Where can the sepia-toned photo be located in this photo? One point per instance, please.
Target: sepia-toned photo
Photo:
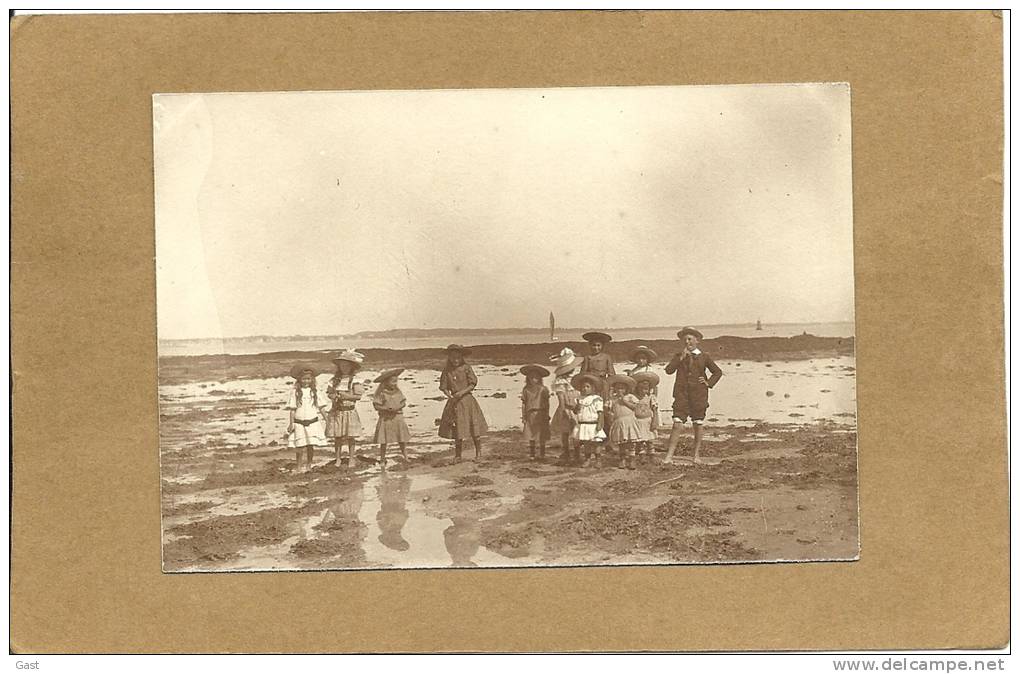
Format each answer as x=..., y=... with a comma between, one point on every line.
x=505, y=327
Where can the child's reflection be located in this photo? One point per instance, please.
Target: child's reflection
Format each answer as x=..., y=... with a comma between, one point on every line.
x=462, y=541
x=392, y=515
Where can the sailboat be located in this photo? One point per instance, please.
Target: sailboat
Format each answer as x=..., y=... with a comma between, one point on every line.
x=758, y=327
x=552, y=327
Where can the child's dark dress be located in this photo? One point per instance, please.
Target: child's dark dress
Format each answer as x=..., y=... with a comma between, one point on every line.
x=600, y=365
x=535, y=413
x=461, y=419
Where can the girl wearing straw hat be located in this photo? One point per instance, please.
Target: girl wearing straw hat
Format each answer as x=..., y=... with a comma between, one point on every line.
x=642, y=358
x=564, y=420
x=343, y=424
x=646, y=412
x=598, y=362
x=625, y=431
x=304, y=430
x=462, y=417
x=535, y=409
x=389, y=402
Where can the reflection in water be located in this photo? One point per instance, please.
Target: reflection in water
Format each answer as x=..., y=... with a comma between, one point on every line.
x=348, y=507
x=462, y=541
x=392, y=515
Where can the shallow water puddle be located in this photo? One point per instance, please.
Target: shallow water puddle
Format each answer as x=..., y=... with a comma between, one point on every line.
x=399, y=533
x=397, y=530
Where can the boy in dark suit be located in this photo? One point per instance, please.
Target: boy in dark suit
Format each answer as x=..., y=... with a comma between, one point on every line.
x=690, y=392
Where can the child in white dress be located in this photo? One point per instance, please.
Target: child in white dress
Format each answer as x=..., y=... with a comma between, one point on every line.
x=590, y=418
x=304, y=430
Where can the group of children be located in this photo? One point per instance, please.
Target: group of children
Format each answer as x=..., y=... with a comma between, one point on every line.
x=599, y=408
x=314, y=420
x=306, y=430
x=586, y=417
x=596, y=407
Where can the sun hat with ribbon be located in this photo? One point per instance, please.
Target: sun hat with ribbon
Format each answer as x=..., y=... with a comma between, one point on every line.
x=351, y=356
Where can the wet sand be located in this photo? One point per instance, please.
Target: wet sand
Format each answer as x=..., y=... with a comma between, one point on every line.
x=780, y=484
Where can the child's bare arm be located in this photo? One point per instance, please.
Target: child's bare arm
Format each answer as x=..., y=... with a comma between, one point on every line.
x=600, y=423
x=290, y=425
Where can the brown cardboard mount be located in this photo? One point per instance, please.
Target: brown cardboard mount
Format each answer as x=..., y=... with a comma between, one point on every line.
x=927, y=158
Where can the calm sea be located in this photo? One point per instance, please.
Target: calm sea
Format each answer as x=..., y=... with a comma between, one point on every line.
x=244, y=345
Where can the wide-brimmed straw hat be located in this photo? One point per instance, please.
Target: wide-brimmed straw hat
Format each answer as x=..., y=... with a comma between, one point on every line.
x=458, y=348
x=298, y=369
x=536, y=370
x=395, y=372
x=351, y=356
x=650, y=377
x=581, y=378
x=594, y=336
x=622, y=380
x=649, y=354
x=687, y=330
x=564, y=357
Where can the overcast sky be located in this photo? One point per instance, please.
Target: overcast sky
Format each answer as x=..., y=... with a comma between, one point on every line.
x=332, y=213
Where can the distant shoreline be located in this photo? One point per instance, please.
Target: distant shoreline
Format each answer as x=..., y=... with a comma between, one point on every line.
x=182, y=369
x=415, y=333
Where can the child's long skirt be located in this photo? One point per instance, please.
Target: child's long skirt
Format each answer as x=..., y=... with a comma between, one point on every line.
x=343, y=424
x=306, y=435
x=536, y=427
x=391, y=430
x=462, y=420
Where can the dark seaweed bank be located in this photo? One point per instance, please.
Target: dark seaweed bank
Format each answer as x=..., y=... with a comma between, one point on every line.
x=184, y=369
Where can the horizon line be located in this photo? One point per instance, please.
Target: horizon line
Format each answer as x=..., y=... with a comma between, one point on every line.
x=360, y=333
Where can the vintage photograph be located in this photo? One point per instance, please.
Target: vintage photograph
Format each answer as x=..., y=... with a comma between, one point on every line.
x=505, y=327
